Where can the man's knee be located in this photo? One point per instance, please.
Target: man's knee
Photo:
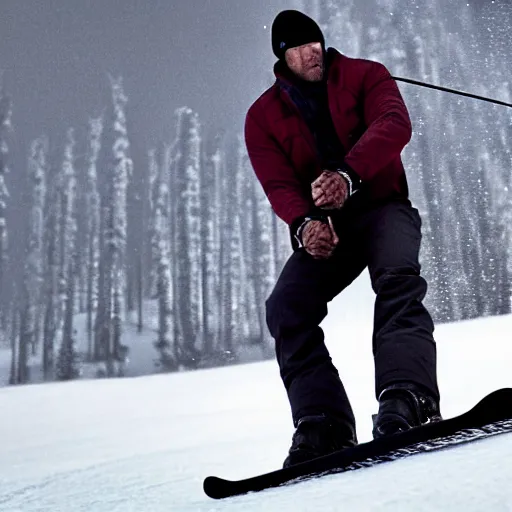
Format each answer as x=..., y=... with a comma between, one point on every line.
x=396, y=278
x=289, y=307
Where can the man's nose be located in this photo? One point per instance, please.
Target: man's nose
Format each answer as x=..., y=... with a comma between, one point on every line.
x=310, y=52
x=313, y=50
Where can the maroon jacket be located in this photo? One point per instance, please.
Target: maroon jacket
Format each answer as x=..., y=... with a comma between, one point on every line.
x=371, y=121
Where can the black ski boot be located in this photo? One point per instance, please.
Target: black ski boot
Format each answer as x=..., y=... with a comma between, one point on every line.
x=319, y=435
x=401, y=407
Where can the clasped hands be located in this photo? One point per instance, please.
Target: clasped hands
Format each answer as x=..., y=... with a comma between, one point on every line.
x=329, y=191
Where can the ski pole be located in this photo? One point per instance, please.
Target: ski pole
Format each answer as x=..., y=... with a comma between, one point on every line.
x=453, y=91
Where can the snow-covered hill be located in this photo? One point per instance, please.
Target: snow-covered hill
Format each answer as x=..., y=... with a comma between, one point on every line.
x=145, y=444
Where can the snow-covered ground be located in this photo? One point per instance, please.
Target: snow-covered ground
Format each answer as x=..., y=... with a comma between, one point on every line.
x=146, y=443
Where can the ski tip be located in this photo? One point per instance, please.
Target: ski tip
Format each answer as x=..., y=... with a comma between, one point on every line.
x=499, y=401
x=214, y=487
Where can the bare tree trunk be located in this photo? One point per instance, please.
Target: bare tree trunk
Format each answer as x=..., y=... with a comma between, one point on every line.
x=116, y=310
x=100, y=347
x=67, y=356
x=49, y=321
x=130, y=294
x=23, y=373
x=90, y=301
x=107, y=338
x=13, y=378
x=48, y=337
x=140, y=292
x=207, y=250
x=5, y=128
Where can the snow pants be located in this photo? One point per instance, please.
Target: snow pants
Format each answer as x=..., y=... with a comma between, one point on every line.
x=386, y=239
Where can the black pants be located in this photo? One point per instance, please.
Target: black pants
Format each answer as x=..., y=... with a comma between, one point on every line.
x=386, y=239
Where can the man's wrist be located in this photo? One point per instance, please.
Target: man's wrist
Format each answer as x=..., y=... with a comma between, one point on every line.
x=351, y=177
x=299, y=224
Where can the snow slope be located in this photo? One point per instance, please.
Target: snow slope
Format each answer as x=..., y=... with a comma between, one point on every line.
x=146, y=443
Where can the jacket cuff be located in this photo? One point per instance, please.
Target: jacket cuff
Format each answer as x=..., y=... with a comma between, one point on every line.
x=298, y=225
x=353, y=179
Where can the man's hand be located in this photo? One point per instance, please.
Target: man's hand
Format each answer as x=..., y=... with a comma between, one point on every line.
x=330, y=190
x=319, y=239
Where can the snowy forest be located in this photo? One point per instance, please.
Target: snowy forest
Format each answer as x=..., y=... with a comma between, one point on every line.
x=186, y=248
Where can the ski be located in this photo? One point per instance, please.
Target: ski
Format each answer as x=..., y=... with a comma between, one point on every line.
x=489, y=417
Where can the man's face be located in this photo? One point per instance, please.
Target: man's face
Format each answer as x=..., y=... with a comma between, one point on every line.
x=306, y=61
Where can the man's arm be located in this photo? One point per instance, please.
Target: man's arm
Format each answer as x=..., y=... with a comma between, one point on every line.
x=275, y=173
x=388, y=124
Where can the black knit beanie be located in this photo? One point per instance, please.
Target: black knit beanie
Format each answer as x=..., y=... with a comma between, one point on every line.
x=292, y=28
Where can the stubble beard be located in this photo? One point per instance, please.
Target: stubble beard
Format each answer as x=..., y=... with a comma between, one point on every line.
x=315, y=73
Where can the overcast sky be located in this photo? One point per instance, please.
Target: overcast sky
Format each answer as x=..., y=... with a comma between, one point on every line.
x=211, y=55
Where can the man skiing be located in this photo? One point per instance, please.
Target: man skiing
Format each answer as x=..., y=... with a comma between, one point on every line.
x=325, y=143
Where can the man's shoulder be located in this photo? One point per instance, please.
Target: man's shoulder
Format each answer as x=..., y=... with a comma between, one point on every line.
x=351, y=73
x=342, y=63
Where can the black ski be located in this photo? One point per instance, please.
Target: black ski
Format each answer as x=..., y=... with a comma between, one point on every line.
x=491, y=416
